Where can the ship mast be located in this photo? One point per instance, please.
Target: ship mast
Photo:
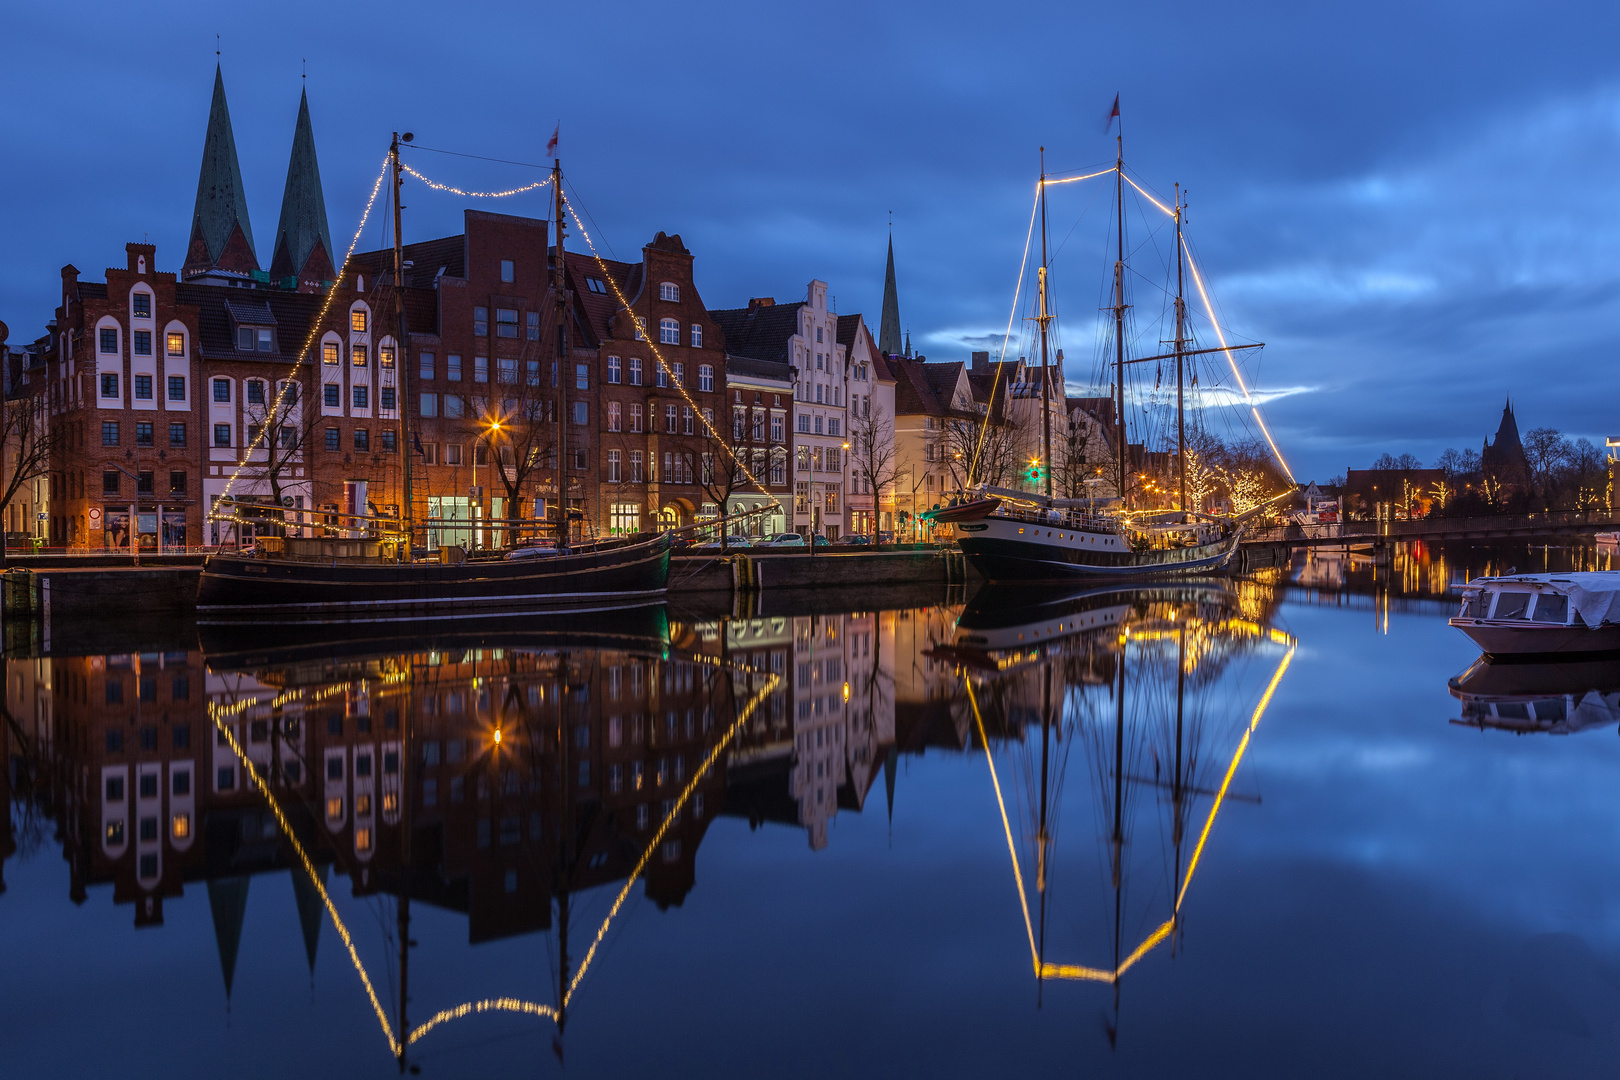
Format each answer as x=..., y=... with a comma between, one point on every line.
x=1181, y=345
x=1043, y=318
x=559, y=288
x=1119, y=306
x=402, y=365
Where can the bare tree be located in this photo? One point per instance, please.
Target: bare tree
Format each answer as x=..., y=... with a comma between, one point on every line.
x=1546, y=450
x=26, y=446
x=719, y=472
x=874, y=460
x=517, y=424
x=979, y=450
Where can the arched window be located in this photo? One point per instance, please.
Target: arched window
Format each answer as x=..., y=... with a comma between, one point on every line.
x=670, y=291
x=669, y=332
x=705, y=377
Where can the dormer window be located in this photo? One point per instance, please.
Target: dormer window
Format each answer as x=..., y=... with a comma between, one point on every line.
x=670, y=291
x=596, y=285
x=357, y=322
x=143, y=305
x=255, y=339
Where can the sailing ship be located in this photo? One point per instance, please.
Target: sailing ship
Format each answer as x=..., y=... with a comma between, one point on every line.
x=1011, y=535
x=363, y=578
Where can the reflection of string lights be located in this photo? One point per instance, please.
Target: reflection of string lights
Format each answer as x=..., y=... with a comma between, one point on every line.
x=1081, y=973
x=220, y=713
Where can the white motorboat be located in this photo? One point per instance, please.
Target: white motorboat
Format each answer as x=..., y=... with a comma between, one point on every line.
x=1543, y=614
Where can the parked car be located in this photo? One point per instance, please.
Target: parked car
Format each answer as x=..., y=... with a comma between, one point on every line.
x=853, y=540
x=782, y=540
x=822, y=541
x=885, y=537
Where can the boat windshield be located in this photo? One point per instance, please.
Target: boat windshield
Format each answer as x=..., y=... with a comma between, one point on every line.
x=1475, y=604
x=1552, y=608
x=1512, y=605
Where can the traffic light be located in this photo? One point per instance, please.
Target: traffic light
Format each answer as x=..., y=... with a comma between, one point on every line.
x=1035, y=472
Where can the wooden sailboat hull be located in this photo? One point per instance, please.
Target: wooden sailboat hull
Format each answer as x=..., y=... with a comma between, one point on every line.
x=238, y=589
x=1005, y=549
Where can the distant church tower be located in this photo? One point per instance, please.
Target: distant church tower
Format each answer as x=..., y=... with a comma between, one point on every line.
x=221, y=243
x=303, y=247
x=889, y=342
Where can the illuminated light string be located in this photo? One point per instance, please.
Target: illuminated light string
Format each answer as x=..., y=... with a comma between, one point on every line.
x=309, y=343
x=1076, y=179
x=219, y=714
x=436, y=186
x=641, y=326
x=1082, y=973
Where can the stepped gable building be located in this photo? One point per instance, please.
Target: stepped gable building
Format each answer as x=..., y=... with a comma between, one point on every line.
x=760, y=393
x=221, y=245
x=871, y=428
x=804, y=335
x=662, y=458
x=1503, y=460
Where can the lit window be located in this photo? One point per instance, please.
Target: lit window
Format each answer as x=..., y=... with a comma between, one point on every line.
x=334, y=807
x=115, y=831
x=385, y=356
x=182, y=826
x=359, y=355
x=177, y=344
x=329, y=352
x=357, y=321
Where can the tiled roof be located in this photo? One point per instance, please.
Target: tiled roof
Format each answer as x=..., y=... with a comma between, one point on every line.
x=597, y=309
x=759, y=332
x=427, y=259
x=759, y=369
x=293, y=313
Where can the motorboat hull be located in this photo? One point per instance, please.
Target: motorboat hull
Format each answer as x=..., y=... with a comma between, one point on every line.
x=244, y=589
x=1520, y=638
x=1013, y=549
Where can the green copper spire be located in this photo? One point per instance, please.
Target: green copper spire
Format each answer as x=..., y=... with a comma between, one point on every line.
x=303, y=248
x=889, y=327
x=221, y=236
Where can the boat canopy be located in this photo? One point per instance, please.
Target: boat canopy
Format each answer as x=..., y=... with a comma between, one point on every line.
x=1594, y=594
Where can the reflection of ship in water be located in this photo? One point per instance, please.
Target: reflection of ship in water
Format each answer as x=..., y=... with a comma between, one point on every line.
x=1156, y=687
x=1551, y=699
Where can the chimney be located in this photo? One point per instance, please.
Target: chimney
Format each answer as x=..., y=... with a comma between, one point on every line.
x=757, y=302
x=981, y=361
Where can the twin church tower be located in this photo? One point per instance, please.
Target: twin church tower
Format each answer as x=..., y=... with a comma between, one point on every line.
x=221, y=249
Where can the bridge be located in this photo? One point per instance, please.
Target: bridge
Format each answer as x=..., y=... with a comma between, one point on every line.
x=1472, y=527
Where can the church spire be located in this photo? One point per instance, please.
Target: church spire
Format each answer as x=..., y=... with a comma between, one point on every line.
x=889, y=326
x=303, y=247
x=227, y=900
x=221, y=237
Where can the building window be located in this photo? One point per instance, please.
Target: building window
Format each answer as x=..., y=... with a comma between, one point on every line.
x=801, y=497
x=109, y=433
x=680, y=374
x=359, y=355
x=452, y=367
x=109, y=340
x=362, y=439
x=596, y=285
x=362, y=397
x=507, y=269
x=109, y=486
x=332, y=396
x=177, y=482
x=333, y=439
x=287, y=435
x=177, y=388
x=143, y=305
x=222, y=434
x=778, y=469
x=670, y=291
x=143, y=388
x=430, y=404
x=386, y=396
x=669, y=419
x=635, y=467
x=143, y=433
x=613, y=466
x=776, y=429
x=534, y=326
x=833, y=425
x=143, y=342
x=635, y=418
x=697, y=336
x=635, y=371
x=613, y=416
x=357, y=321
x=182, y=826
x=109, y=386
x=686, y=419
x=481, y=321
x=255, y=392
x=582, y=377
x=506, y=322
x=706, y=377
x=177, y=434
x=582, y=413
x=329, y=352
x=613, y=370
x=390, y=442
x=481, y=369
x=385, y=355
x=669, y=332
x=452, y=406
x=222, y=390
x=507, y=371
x=227, y=778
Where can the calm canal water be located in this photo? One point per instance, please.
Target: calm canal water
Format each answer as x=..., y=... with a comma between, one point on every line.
x=1237, y=828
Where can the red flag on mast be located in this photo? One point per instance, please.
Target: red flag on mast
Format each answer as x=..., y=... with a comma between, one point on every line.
x=551, y=144
x=1113, y=114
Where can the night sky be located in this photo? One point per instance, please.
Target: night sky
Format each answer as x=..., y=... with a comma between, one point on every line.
x=1408, y=203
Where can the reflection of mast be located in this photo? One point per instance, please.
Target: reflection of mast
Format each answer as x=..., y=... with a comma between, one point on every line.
x=1118, y=844
x=1176, y=792
x=564, y=844
x=407, y=755
x=1041, y=835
